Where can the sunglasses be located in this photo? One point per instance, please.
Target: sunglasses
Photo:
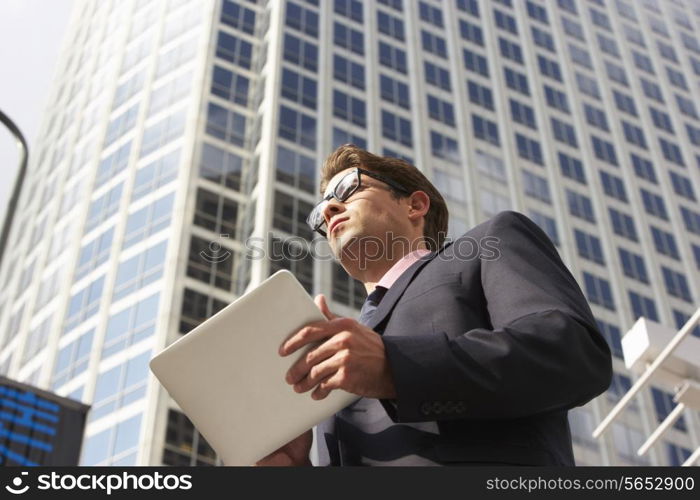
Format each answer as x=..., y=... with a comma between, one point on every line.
x=346, y=187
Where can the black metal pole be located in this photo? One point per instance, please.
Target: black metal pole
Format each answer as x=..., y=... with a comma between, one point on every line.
x=19, y=181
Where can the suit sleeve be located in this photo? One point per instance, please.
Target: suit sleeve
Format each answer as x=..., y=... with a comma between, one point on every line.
x=544, y=352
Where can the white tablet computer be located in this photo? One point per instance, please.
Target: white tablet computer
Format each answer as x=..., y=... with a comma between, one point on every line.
x=228, y=377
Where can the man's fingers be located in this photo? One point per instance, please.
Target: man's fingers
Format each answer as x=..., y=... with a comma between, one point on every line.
x=326, y=386
x=314, y=332
x=301, y=368
x=320, y=301
x=319, y=372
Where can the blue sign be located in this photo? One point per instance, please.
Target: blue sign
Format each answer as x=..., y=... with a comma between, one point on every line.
x=37, y=427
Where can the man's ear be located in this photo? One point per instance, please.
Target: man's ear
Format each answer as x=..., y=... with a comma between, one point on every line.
x=418, y=205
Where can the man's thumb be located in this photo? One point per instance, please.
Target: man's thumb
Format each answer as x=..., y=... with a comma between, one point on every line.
x=320, y=301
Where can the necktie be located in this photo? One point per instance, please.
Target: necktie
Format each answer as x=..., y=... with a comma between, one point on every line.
x=371, y=304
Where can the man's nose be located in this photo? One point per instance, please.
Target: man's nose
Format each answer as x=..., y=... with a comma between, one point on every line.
x=332, y=208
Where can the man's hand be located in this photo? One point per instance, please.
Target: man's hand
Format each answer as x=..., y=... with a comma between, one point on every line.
x=351, y=357
x=294, y=453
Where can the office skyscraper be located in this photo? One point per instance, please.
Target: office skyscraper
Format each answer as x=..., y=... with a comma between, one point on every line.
x=183, y=141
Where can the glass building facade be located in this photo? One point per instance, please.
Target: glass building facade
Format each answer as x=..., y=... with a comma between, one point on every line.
x=183, y=140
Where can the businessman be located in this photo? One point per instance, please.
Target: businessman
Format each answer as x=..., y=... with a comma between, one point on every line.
x=469, y=352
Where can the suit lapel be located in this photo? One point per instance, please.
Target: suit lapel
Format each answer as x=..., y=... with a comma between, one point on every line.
x=396, y=291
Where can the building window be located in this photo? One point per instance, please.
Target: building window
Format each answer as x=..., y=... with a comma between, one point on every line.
x=665, y=243
x=633, y=266
x=643, y=62
x=116, y=445
x=691, y=220
x=476, y=63
x=348, y=72
x=572, y=168
x=434, y=44
x=439, y=110
x=547, y=224
x=643, y=168
x=289, y=215
x=537, y=12
x=437, y=76
x=297, y=127
x=184, y=445
x=298, y=89
x=348, y=38
x=149, y=220
x=624, y=103
x=430, y=14
x=663, y=404
x=220, y=167
x=676, y=284
x=556, y=99
x=480, y=95
x=216, y=212
x=613, y=186
x=505, y=22
x=661, y=120
x=396, y=128
x=197, y=308
x=139, y=271
x=543, y=39
x=580, y=206
x=120, y=386
x=671, y=152
x=394, y=91
x=536, y=187
x=444, y=147
x=604, y=150
x=651, y=90
x=516, y=81
x=209, y=265
x=598, y=291
x=83, y=304
x=523, y=114
x=623, y=224
x=612, y=336
x=654, y=204
x=596, y=117
x=302, y=19
x=300, y=52
x=469, y=6
x=72, y=360
x=296, y=169
x=390, y=25
x=392, y=57
x=112, y=165
x=287, y=254
x=529, y=149
x=94, y=254
x=234, y=50
x=587, y=85
x=122, y=124
x=471, y=32
x=682, y=186
x=589, y=247
x=510, y=50
x=238, y=17
x=225, y=124
x=642, y=307
x=563, y=132
x=351, y=9
x=580, y=56
x=130, y=326
x=485, y=129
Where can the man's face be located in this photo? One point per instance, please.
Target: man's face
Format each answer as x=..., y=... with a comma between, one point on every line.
x=360, y=227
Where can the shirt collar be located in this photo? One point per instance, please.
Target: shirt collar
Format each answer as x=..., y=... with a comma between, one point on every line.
x=400, y=267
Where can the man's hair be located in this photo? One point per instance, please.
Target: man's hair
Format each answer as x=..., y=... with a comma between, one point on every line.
x=399, y=171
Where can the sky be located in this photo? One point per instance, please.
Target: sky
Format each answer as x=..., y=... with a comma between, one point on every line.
x=31, y=37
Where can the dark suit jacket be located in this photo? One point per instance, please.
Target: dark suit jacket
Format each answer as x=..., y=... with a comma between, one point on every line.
x=489, y=347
